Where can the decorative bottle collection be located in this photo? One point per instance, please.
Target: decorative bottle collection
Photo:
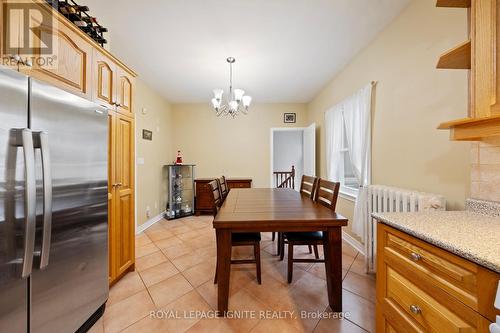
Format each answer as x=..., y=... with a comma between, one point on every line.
x=80, y=17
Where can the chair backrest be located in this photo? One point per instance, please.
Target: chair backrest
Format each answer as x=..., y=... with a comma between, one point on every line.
x=217, y=200
x=308, y=186
x=327, y=193
x=223, y=187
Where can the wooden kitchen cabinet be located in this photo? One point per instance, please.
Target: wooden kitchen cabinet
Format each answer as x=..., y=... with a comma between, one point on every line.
x=113, y=86
x=68, y=68
x=121, y=203
x=422, y=288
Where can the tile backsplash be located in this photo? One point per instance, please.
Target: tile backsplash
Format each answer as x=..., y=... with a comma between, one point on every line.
x=485, y=177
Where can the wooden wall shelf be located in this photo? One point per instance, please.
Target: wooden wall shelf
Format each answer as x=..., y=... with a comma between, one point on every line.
x=478, y=55
x=457, y=58
x=472, y=129
x=453, y=3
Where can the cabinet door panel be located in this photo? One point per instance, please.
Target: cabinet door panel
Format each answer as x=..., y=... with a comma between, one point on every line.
x=125, y=232
x=124, y=92
x=11, y=26
x=71, y=68
x=104, y=71
x=125, y=193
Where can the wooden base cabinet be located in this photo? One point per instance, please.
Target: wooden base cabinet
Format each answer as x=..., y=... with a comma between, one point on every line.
x=422, y=288
x=121, y=203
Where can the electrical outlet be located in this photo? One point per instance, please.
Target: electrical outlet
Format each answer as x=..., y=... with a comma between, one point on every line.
x=148, y=212
x=156, y=204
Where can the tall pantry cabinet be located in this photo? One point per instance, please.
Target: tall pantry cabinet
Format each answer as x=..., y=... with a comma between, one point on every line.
x=115, y=88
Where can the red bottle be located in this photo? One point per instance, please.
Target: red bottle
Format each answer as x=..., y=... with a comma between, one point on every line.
x=178, y=160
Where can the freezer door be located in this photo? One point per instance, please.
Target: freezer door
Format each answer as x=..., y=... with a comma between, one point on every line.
x=13, y=118
x=70, y=272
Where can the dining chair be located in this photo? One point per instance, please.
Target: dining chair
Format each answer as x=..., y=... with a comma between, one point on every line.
x=307, y=189
x=223, y=188
x=308, y=186
x=326, y=194
x=238, y=238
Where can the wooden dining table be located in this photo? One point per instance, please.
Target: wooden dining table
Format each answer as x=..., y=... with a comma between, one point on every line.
x=281, y=210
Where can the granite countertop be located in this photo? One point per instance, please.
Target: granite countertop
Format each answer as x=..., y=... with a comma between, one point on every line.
x=468, y=234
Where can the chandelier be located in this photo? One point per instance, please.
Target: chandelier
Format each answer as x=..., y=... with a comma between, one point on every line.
x=236, y=100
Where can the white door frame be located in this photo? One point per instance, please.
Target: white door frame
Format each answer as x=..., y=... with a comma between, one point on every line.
x=279, y=129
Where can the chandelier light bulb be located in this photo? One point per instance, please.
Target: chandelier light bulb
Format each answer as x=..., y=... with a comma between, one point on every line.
x=215, y=103
x=238, y=94
x=246, y=101
x=233, y=106
x=218, y=94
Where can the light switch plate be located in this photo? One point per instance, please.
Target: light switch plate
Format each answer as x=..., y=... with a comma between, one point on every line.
x=140, y=160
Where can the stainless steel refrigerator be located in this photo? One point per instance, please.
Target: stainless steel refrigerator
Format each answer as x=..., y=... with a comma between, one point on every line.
x=53, y=208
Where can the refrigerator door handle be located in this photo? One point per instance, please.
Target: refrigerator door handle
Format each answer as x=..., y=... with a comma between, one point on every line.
x=42, y=142
x=30, y=200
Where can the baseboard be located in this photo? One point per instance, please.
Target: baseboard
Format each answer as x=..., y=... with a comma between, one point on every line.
x=353, y=242
x=150, y=222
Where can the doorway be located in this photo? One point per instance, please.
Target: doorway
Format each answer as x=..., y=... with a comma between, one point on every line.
x=293, y=147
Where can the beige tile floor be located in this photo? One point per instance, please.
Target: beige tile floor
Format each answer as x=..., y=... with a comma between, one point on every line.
x=175, y=267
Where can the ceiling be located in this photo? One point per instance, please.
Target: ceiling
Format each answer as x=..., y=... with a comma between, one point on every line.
x=285, y=50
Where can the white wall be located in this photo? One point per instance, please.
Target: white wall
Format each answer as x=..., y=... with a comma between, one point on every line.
x=238, y=147
x=288, y=151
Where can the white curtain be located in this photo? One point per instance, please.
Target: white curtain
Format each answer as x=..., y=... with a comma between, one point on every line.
x=334, y=126
x=351, y=117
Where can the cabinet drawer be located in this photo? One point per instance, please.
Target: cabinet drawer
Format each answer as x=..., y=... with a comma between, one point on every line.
x=239, y=184
x=453, y=274
x=424, y=309
x=437, y=272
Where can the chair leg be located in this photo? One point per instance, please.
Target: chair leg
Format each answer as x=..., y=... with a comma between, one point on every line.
x=256, y=251
x=290, y=262
x=310, y=248
x=215, y=278
x=282, y=246
x=278, y=244
x=316, y=253
x=274, y=236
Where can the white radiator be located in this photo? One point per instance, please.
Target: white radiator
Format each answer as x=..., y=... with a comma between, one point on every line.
x=381, y=199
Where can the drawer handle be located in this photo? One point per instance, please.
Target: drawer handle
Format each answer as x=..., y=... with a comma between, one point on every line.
x=415, y=309
x=415, y=256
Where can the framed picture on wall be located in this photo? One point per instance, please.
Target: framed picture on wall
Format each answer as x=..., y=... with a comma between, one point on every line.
x=290, y=118
x=147, y=135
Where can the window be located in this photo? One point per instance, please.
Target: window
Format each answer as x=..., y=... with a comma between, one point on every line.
x=350, y=184
x=348, y=142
